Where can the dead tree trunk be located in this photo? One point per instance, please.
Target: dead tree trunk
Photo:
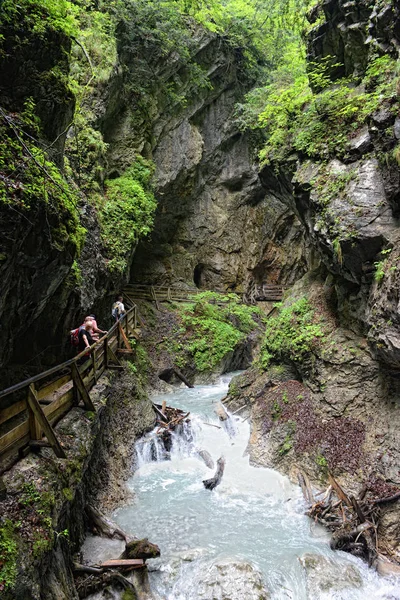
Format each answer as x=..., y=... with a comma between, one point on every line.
x=104, y=526
x=210, y=484
x=182, y=378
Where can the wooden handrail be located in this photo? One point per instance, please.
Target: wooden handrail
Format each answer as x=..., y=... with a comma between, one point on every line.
x=64, y=365
x=41, y=407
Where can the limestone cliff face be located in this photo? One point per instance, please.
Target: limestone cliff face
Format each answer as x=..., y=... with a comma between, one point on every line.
x=216, y=226
x=338, y=405
x=349, y=204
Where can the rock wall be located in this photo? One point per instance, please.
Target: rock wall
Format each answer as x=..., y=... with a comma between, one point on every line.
x=216, y=226
x=47, y=496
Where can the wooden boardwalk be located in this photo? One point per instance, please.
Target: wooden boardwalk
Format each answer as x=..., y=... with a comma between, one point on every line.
x=36, y=404
x=30, y=409
x=258, y=293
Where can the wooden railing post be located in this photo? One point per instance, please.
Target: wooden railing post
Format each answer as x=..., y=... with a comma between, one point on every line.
x=126, y=324
x=105, y=348
x=135, y=317
x=153, y=293
x=93, y=357
x=36, y=409
x=34, y=427
x=80, y=387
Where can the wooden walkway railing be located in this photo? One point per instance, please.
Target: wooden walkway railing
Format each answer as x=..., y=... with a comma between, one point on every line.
x=263, y=292
x=36, y=404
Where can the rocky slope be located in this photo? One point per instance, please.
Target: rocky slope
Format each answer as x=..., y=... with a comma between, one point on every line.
x=43, y=517
x=335, y=405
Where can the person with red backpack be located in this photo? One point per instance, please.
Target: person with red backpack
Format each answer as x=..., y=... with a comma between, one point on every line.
x=96, y=331
x=74, y=333
x=85, y=336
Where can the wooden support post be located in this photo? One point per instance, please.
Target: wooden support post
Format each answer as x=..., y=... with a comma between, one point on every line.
x=34, y=427
x=126, y=325
x=118, y=336
x=35, y=407
x=112, y=356
x=80, y=386
x=93, y=357
x=169, y=294
x=153, y=293
x=124, y=337
x=105, y=347
x=134, y=317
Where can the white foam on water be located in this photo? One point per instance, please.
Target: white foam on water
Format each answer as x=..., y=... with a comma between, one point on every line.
x=255, y=514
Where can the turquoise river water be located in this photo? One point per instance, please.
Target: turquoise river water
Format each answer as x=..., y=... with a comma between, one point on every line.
x=254, y=516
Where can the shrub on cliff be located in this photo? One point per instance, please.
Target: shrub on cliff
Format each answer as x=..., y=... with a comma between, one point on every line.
x=126, y=212
x=214, y=325
x=291, y=334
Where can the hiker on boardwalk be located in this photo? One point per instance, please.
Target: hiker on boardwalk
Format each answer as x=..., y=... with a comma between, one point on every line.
x=85, y=336
x=118, y=309
x=95, y=330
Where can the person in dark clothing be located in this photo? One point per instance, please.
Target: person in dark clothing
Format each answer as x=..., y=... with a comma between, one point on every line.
x=85, y=336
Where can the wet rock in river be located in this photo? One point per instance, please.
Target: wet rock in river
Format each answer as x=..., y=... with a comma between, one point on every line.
x=232, y=580
x=324, y=574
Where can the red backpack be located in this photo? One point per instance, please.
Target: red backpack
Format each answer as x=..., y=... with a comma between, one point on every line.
x=74, y=337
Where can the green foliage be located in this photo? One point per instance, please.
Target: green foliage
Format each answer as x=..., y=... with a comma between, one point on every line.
x=126, y=212
x=321, y=124
x=30, y=494
x=291, y=334
x=30, y=181
x=379, y=271
x=381, y=266
x=287, y=443
x=68, y=494
x=40, y=15
x=86, y=154
x=321, y=462
x=8, y=555
x=215, y=324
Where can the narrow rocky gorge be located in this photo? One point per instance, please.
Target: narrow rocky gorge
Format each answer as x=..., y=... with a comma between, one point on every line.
x=156, y=116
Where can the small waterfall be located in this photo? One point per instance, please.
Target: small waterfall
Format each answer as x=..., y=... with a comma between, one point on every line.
x=248, y=533
x=150, y=448
x=176, y=444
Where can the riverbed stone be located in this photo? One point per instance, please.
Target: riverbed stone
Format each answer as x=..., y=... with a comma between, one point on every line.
x=232, y=580
x=326, y=575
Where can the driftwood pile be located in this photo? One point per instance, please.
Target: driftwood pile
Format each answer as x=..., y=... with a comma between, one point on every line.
x=91, y=579
x=168, y=420
x=353, y=521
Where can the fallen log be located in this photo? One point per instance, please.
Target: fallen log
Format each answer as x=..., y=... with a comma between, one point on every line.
x=339, y=491
x=212, y=483
x=160, y=413
x=78, y=568
x=206, y=456
x=92, y=585
x=212, y=425
x=221, y=412
x=387, y=500
x=305, y=487
x=104, y=526
x=182, y=378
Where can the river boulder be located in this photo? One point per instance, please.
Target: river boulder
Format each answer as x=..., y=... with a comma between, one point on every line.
x=326, y=575
x=232, y=579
